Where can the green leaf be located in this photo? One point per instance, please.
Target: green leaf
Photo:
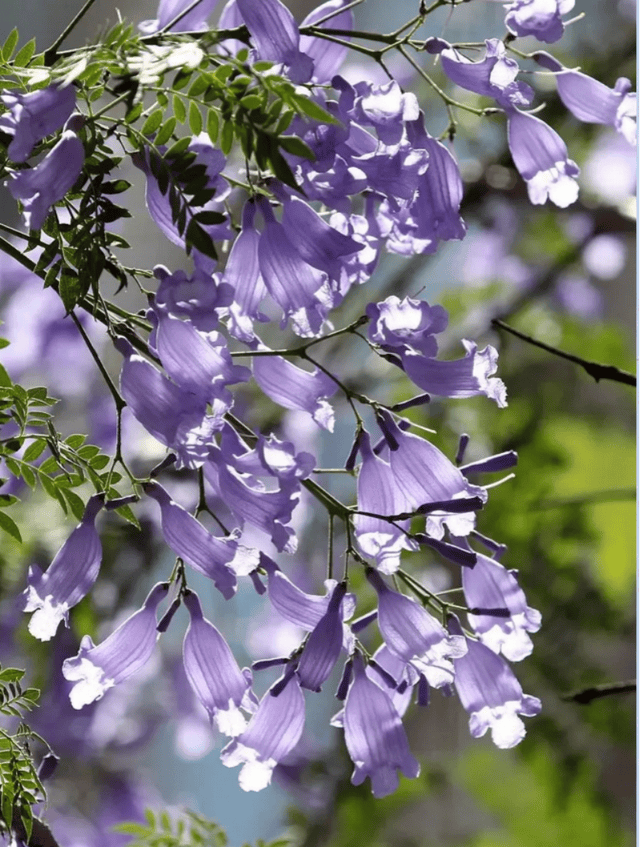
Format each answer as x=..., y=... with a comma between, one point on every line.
x=75, y=441
x=152, y=122
x=10, y=526
x=311, y=109
x=28, y=476
x=134, y=113
x=71, y=289
x=75, y=503
x=4, y=343
x=196, y=237
x=179, y=109
x=7, y=500
x=199, y=86
x=209, y=218
x=213, y=124
x=34, y=450
x=24, y=54
x=5, y=379
x=296, y=146
x=177, y=149
x=10, y=44
x=165, y=132
x=262, y=66
x=195, y=119
x=115, y=187
x=226, y=139
x=251, y=102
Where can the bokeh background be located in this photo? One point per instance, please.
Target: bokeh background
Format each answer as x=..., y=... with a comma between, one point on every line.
x=564, y=276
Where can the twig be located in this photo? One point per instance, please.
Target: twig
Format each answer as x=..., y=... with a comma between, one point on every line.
x=607, y=496
x=594, y=369
x=50, y=54
x=585, y=695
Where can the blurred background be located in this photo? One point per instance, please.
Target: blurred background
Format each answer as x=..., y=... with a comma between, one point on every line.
x=566, y=277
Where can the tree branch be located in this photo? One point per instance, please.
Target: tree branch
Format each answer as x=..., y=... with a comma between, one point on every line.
x=594, y=369
x=585, y=695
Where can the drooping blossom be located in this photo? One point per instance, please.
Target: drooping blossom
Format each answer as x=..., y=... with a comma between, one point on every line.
x=272, y=733
x=398, y=325
x=541, y=157
x=189, y=540
x=322, y=649
x=489, y=586
x=327, y=55
x=540, y=18
x=33, y=116
x=201, y=297
x=97, y=668
x=593, y=102
x=374, y=735
x=379, y=494
x=242, y=273
x=414, y=635
x=276, y=36
x=68, y=578
x=213, y=673
x=489, y=691
x=293, y=388
x=42, y=186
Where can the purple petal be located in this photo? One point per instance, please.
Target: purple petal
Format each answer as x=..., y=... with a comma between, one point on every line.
x=323, y=647
x=327, y=55
x=33, y=116
x=97, y=668
x=276, y=35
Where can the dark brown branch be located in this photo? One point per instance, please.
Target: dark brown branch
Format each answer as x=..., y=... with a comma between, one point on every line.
x=594, y=369
x=595, y=692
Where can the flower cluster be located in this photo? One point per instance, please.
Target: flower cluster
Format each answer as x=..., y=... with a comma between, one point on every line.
x=374, y=179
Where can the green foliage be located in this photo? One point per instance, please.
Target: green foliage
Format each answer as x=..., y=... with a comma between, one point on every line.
x=20, y=787
x=188, y=830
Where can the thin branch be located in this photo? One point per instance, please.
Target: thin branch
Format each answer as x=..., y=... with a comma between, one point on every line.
x=594, y=369
x=50, y=54
x=607, y=496
x=586, y=695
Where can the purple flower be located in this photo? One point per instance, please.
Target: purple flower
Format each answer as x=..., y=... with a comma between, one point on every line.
x=541, y=157
x=489, y=586
x=40, y=187
x=414, y=635
x=384, y=107
x=327, y=55
x=293, y=388
x=491, y=694
x=170, y=9
x=273, y=732
x=243, y=274
x=592, y=102
x=68, y=578
x=298, y=607
x=397, y=325
x=423, y=474
x=374, y=735
x=199, y=363
x=200, y=297
x=213, y=673
x=540, y=18
x=379, y=493
x=97, y=668
x=177, y=418
x=33, y=116
x=189, y=540
x=493, y=76
x=466, y=377
x=324, y=644
x=276, y=36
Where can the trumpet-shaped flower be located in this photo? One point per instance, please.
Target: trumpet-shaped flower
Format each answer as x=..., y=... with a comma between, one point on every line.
x=97, y=668
x=33, y=116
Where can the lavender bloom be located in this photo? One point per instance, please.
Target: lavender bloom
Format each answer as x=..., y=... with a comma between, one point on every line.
x=385, y=107
x=68, y=578
x=170, y=9
x=592, y=102
x=213, y=673
x=190, y=541
x=33, y=116
x=199, y=363
x=96, y=669
x=323, y=647
x=177, y=418
x=423, y=474
x=273, y=732
x=243, y=274
x=540, y=18
x=379, y=493
x=491, y=694
x=276, y=36
x=466, y=377
x=374, y=735
x=414, y=635
x=541, y=157
x=293, y=388
x=490, y=586
x=301, y=291
x=200, y=297
x=298, y=607
x=40, y=187
x=493, y=76
x=405, y=675
x=327, y=55
x=398, y=325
